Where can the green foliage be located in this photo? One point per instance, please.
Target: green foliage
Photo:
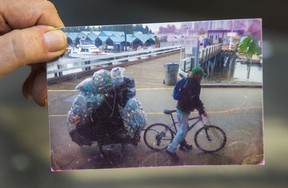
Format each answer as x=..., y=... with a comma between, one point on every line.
x=128, y=28
x=250, y=47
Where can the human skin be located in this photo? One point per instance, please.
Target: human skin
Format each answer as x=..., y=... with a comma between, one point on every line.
x=29, y=36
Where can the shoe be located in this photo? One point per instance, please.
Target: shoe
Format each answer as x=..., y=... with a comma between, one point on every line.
x=173, y=156
x=185, y=147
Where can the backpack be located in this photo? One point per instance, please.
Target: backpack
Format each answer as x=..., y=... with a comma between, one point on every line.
x=177, y=94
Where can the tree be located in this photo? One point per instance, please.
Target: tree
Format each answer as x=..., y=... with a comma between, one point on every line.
x=250, y=47
x=139, y=27
x=255, y=28
x=146, y=29
x=168, y=29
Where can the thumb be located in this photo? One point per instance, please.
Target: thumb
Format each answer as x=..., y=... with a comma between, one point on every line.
x=29, y=46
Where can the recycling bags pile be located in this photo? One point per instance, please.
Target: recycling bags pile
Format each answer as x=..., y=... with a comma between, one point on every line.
x=106, y=105
x=133, y=116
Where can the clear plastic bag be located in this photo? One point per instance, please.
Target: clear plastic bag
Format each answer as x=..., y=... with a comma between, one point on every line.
x=133, y=116
x=106, y=97
x=102, y=81
x=117, y=75
x=87, y=86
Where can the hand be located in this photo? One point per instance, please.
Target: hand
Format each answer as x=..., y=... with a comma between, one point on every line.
x=205, y=114
x=28, y=36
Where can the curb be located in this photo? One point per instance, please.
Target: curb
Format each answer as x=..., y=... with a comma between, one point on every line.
x=231, y=86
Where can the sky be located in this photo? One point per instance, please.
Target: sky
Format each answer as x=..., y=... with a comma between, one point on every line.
x=155, y=26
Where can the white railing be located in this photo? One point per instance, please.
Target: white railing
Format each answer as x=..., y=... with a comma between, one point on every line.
x=67, y=65
x=204, y=55
x=209, y=52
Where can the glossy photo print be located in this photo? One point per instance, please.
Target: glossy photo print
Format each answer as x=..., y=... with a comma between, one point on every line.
x=158, y=95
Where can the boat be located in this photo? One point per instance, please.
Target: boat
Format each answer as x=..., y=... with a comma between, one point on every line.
x=86, y=51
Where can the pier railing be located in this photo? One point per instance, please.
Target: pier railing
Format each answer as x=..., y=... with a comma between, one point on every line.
x=204, y=55
x=67, y=65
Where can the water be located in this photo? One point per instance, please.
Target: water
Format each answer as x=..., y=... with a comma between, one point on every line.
x=235, y=72
x=248, y=73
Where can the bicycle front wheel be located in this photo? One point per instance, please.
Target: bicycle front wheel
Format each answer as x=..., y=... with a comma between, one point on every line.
x=210, y=138
x=158, y=136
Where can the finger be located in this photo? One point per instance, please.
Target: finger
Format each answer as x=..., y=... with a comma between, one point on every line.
x=4, y=27
x=28, y=13
x=27, y=86
x=29, y=46
x=35, y=86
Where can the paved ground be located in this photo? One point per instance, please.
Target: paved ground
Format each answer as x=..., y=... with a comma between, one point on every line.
x=238, y=111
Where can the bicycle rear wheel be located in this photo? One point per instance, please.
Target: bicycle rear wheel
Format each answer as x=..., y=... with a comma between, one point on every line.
x=210, y=138
x=157, y=136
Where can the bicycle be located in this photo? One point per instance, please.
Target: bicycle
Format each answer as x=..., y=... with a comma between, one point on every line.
x=209, y=138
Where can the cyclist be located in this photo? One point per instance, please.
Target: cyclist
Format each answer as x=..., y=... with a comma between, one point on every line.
x=187, y=103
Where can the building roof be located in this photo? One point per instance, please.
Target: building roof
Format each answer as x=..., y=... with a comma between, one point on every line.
x=93, y=35
x=116, y=36
x=72, y=35
x=83, y=34
x=131, y=38
x=112, y=33
x=102, y=38
x=117, y=39
x=144, y=37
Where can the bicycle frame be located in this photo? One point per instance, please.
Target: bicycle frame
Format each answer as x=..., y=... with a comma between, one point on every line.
x=158, y=135
x=199, y=118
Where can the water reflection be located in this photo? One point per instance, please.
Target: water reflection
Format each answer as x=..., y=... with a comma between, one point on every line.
x=248, y=72
x=229, y=69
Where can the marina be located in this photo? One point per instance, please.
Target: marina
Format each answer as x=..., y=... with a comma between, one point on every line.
x=221, y=48
x=231, y=91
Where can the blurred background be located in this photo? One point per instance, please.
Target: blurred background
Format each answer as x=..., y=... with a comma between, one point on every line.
x=24, y=131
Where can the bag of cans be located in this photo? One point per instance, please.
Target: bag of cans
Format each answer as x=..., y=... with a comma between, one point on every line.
x=126, y=91
x=102, y=81
x=87, y=87
x=79, y=120
x=123, y=85
x=117, y=76
x=133, y=116
x=91, y=96
x=79, y=112
x=107, y=95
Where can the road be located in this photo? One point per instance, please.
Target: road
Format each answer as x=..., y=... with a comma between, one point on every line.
x=238, y=111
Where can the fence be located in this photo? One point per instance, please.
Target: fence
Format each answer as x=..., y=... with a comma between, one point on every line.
x=67, y=65
x=204, y=55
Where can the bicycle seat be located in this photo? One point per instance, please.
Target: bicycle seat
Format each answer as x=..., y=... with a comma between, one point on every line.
x=169, y=111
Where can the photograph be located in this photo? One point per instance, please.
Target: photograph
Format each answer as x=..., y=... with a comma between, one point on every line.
x=158, y=95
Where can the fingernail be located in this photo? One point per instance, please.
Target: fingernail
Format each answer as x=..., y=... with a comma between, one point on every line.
x=55, y=40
